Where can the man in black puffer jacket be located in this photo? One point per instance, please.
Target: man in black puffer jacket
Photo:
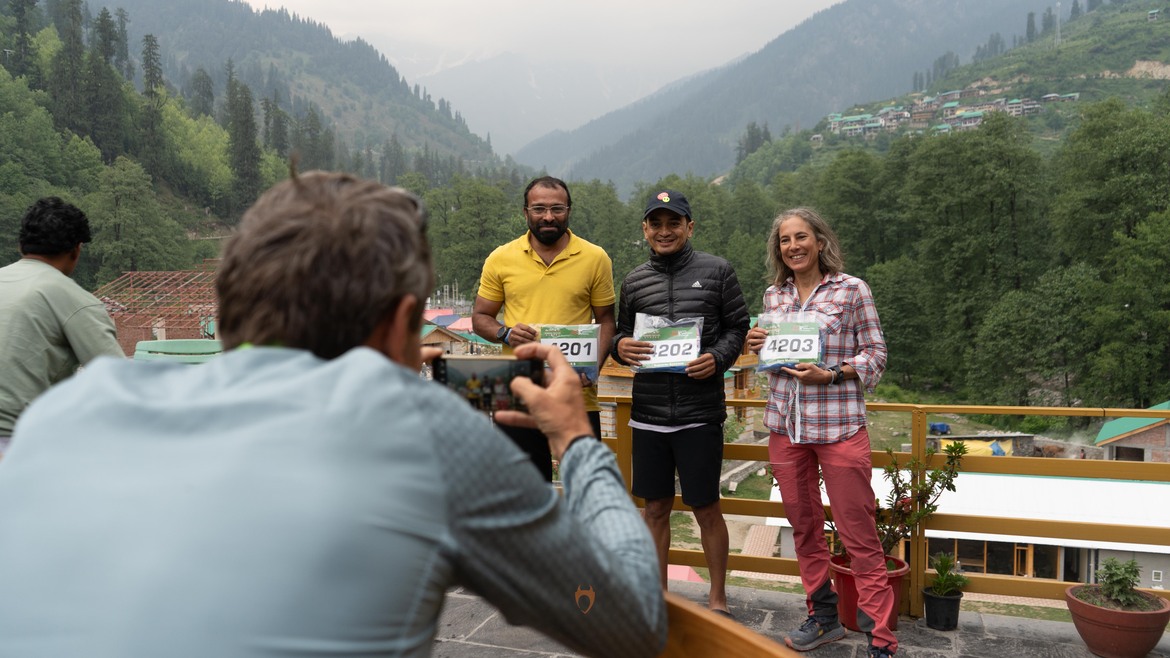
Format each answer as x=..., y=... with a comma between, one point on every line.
x=677, y=417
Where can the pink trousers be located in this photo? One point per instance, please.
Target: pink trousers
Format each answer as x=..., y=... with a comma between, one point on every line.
x=846, y=469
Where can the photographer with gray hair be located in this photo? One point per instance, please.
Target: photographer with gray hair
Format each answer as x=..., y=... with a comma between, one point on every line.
x=307, y=493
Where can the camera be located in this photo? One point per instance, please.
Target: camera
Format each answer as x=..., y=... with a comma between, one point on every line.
x=485, y=381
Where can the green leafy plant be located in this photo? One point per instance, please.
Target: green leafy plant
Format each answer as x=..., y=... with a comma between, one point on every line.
x=1118, y=581
x=911, y=484
x=1117, y=588
x=949, y=580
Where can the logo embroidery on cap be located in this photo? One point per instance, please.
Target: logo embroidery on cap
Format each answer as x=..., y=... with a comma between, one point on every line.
x=696, y=285
x=664, y=197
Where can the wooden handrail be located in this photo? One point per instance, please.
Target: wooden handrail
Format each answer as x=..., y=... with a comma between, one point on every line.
x=919, y=574
x=699, y=633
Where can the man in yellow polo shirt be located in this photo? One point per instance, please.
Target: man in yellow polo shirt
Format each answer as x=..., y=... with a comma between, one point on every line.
x=546, y=276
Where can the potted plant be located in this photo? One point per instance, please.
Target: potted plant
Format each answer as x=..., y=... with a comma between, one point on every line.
x=944, y=595
x=1115, y=619
x=913, y=498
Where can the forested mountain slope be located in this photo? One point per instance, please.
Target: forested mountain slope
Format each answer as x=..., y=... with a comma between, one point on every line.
x=853, y=52
x=356, y=87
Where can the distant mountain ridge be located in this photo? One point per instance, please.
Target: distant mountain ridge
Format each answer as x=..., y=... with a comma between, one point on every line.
x=354, y=85
x=852, y=52
x=517, y=97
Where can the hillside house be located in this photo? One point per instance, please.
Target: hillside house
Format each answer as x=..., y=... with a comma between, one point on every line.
x=950, y=109
x=997, y=105
x=1137, y=439
x=1025, y=107
x=854, y=126
x=966, y=120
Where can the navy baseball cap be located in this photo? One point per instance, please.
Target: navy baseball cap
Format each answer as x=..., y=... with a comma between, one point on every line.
x=671, y=200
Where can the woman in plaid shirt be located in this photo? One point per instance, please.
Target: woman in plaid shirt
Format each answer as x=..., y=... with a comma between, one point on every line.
x=816, y=413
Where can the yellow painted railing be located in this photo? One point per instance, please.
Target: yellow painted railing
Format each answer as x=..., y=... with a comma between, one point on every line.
x=919, y=576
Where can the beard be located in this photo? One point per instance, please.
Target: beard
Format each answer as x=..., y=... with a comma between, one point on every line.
x=548, y=237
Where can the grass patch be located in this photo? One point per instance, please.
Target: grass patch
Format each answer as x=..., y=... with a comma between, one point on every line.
x=754, y=487
x=682, y=531
x=1017, y=610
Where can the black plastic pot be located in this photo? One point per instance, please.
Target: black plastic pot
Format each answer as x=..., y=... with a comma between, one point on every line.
x=942, y=612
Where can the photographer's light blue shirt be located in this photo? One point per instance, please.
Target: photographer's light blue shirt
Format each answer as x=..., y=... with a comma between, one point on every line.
x=271, y=503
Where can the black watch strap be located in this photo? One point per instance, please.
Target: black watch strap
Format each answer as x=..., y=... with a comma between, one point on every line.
x=836, y=370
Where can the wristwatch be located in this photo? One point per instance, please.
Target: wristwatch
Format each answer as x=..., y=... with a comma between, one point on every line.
x=502, y=333
x=836, y=370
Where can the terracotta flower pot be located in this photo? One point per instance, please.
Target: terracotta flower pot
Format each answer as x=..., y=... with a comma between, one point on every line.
x=847, y=590
x=1117, y=633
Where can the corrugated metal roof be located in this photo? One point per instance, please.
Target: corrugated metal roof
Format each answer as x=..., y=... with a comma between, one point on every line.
x=1119, y=427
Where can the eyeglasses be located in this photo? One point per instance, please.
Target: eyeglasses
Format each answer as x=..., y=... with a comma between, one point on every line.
x=539, y=211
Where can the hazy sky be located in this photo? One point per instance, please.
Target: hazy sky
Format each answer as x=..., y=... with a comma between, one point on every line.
x=670, y=38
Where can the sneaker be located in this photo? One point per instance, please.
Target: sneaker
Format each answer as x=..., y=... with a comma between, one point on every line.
x=879, y=652
x=813, y=633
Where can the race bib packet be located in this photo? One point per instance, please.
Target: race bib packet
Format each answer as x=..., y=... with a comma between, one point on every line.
x=578, y=342
x=676, y=343
x=792, y=338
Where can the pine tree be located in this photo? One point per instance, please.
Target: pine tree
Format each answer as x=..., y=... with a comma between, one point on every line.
x=154, y=93
x=104, y=104
x=1075, y=12
x=1030, y=31
x=22, y=60
x=202, y=96
x=105, y=33
x=243, y=150
x=67, y=71
x=122, y=53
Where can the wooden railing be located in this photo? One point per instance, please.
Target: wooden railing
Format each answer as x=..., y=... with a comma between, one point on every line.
x=696, y=632
x=919, y=575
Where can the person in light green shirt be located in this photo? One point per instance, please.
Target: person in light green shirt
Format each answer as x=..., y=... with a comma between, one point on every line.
x=49, y=325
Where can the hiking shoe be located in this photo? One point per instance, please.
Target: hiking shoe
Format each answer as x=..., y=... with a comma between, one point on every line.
x=813, y=633
x=879, y=652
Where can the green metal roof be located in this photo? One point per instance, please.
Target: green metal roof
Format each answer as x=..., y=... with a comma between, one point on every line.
x=474, y=338
x=951, y=104
x=1122, y=426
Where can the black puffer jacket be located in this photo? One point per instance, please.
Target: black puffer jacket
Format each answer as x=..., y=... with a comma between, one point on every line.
x=666, y=286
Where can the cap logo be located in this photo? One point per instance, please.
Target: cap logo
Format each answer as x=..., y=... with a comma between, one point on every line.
x=664, y=197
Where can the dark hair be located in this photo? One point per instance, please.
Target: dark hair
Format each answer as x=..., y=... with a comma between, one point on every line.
x=830, y=260
x=319, y=260
x=549, y=181
x=51, y=227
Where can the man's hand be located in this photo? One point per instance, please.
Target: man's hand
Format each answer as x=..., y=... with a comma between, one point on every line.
x=521, y=334
x=557, y=409
x=633, y=351
x=756, y=338
x=702, y=367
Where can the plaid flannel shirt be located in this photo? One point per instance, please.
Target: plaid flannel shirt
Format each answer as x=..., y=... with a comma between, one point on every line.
x=812, y=413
